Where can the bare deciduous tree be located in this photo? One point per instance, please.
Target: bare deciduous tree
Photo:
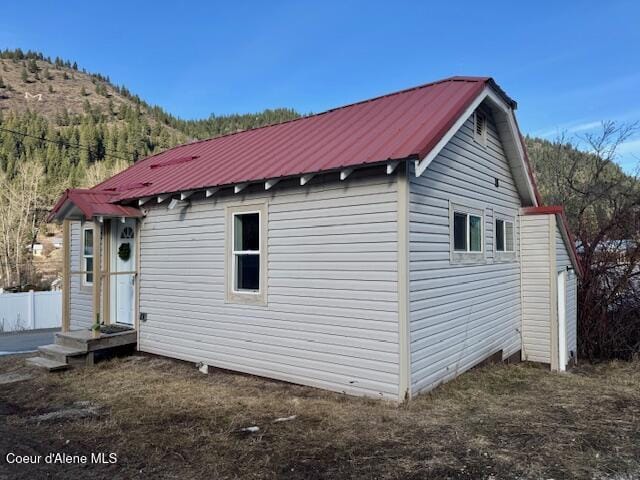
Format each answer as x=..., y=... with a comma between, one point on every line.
x=100, y=171
x=20, y=216
x=603, y=206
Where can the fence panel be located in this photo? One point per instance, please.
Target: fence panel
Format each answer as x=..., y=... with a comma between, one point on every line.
x=30, y=310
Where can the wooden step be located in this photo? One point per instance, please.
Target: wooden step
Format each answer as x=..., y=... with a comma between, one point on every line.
x=70, y=355
x=47, y=363
x=83, y=340
x=73, y=341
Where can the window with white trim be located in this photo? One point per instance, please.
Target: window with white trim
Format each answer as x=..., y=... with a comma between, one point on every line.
x=504, y=236
x=246, y=252
x=87, y=256
x=466, y=230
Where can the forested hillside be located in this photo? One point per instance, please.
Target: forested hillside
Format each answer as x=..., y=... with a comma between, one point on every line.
x=63, y=127
x=80, y=127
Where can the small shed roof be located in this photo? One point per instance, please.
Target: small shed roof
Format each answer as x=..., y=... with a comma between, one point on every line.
x=565, y=231
x=87, y=203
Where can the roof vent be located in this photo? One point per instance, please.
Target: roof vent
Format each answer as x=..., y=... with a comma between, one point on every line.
x=127, y=186
x=173, y=161
x=480, y=128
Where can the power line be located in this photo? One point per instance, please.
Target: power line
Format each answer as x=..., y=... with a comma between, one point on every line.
x=65, y=144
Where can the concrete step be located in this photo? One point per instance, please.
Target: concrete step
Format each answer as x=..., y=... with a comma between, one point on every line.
x=48, y=364
x=63, y=354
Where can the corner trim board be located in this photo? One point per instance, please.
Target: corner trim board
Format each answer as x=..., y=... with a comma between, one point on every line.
x=404, y=378
x=66, y=275
x=553, y=295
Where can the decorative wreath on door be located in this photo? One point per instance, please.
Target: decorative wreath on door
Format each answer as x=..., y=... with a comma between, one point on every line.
x=124, y=252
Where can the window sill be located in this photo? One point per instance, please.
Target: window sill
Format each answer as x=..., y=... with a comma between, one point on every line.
x=505, y=257
x=468, y=258
x=247, y=298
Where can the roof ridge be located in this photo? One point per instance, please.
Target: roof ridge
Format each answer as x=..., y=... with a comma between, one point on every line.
x=455, y=78
x=359, y=102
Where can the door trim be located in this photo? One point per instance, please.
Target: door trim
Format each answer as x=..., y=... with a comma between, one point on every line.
x=114, y=274
x=562, y=320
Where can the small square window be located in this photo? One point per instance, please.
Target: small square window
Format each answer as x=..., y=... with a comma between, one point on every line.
x=467, y=232
x=504, y=236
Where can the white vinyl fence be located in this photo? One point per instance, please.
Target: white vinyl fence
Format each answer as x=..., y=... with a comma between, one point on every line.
x=30, y=310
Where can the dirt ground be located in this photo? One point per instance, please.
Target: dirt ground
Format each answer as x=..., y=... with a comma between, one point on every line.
x=164, y=419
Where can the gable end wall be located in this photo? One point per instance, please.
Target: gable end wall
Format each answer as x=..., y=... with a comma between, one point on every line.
x=461, y=314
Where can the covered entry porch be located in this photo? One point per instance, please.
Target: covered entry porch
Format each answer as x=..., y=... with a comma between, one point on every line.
x=104, y=268
x=107, y=266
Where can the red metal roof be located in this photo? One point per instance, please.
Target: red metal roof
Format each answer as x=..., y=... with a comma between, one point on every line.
x=400, y=125
x=93, y=203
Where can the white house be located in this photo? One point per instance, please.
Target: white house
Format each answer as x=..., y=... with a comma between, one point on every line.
x=376, y=249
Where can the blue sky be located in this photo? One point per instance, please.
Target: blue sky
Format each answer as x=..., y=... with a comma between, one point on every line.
x=569, y=65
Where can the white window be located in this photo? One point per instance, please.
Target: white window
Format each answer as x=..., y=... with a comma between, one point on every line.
x=480, y=127
x=246, y=262
x=87, y=256
x=246, y=252
x=466, y=229
x=467, y=232
x=504, y=236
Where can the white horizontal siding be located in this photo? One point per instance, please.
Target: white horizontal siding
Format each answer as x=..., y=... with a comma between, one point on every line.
x=81, y=298
x=562, y=261
x=460, y=314
x=331, y=318
x=536, y=287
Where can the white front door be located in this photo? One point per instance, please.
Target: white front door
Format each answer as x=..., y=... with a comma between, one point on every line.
x=123, y=260
x=562, y=320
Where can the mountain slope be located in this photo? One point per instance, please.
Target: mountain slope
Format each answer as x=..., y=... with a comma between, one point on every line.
x=94, y=127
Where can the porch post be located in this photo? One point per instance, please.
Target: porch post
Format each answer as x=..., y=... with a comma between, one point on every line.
x=106, y=266
x=66, y=274
x=97, y=277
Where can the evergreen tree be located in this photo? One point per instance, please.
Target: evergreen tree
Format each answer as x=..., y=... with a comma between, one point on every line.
x=24, y=76
x=32, y=66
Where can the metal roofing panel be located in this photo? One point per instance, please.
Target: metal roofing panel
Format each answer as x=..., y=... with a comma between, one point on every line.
x=93, y=203
x=396, y=126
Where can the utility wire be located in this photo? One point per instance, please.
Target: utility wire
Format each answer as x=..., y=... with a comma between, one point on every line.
x=65, y=144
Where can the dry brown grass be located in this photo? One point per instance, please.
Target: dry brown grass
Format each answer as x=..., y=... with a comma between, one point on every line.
x=166, y=420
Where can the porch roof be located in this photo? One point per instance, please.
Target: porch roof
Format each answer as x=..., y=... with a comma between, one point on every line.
x=79, y=203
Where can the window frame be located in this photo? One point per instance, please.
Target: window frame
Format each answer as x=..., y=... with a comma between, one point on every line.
x=83, y=257
x=504, y=255
x=232, y=294
x=236, y=253
x=467, y=256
